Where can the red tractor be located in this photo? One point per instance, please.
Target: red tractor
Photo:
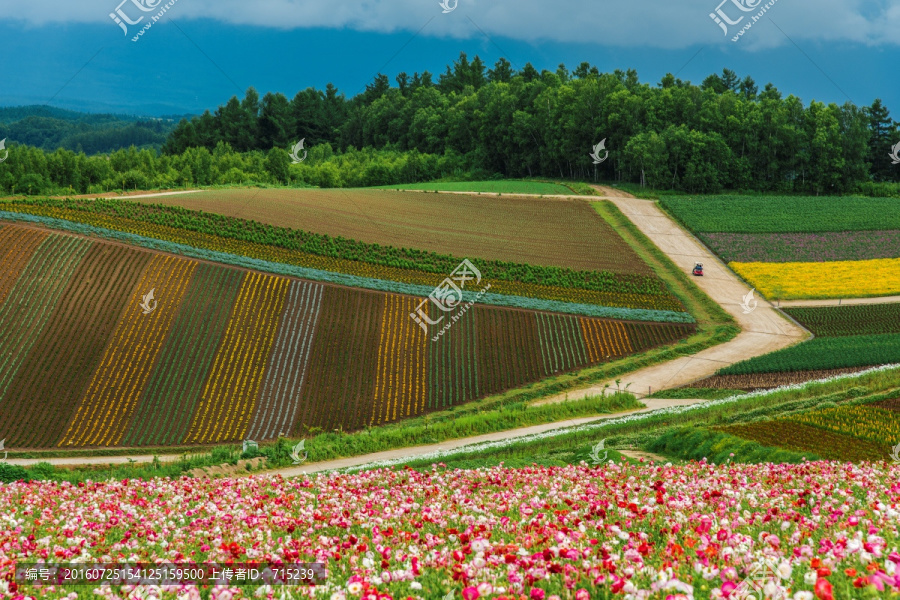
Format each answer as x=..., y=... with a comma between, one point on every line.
x=698, y=270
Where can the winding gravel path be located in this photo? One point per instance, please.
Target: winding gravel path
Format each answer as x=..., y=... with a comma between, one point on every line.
x=763, y=330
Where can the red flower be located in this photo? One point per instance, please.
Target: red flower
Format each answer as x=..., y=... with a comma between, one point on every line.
x=823, y=590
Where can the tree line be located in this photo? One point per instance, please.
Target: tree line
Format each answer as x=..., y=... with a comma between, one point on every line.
x=50, y=128
x=479, y=122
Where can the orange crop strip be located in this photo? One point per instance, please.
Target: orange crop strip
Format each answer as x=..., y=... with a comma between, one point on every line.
x=232, y=387
x=605, y=339
x=106, y=408
x=17, y=244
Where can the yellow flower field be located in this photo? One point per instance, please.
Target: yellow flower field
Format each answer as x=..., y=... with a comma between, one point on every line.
x=841, y=279
x=402, y=351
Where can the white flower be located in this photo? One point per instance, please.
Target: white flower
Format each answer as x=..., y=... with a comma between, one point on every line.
x=803, y=595
x=785, y=570
x=810, y=578
x=415, y=585
x=355, y=588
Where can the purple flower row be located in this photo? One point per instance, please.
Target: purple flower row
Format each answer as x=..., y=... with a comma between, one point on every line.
x=804, y=247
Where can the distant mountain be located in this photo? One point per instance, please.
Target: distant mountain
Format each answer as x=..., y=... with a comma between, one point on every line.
x=49, y=128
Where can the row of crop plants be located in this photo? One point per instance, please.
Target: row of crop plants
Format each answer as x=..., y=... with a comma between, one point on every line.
x=529, y=281
x=111, y=398
x=851, y=431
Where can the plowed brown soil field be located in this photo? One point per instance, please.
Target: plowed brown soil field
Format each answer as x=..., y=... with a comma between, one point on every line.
x=565, y=233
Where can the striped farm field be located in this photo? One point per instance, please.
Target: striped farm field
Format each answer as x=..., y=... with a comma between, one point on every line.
x=288, y=362
x=400, y=373
x=838, y=279
x=605, y=339
x=30, y=300
x=800, y=247
x=452, y=368
x=341, y=378
x=173, y=391
x=16, y=248
x=562, y=343
x=507, y=348
x=117, y=384
x=56, y=371
x=222, y=354
x=229, y=395
x=596, y=271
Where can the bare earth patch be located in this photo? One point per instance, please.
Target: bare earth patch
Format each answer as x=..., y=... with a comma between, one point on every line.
x=756, y=381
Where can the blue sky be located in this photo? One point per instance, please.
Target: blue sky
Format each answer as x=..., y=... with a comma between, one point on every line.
x=201, y=52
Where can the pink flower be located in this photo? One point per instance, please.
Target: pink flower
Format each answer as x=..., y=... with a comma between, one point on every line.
x=582, y=594
x=470, y=593
x=537, y=594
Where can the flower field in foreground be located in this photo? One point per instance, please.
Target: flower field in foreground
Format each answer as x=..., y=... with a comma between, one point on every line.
x=826, y=530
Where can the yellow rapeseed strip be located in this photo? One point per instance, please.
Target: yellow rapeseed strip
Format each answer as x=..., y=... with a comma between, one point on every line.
x=838, y=279
x=232, y=386
x=400, y=374
x=108, y=404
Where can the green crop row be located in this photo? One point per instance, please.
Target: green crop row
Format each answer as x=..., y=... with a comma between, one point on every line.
x=783, y=214
x=859, y=319
x=824, y=353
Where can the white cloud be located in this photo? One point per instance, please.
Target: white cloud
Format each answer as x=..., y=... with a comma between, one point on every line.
x=654, y=23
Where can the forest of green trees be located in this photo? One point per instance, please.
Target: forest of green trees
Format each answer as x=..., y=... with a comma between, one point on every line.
x=50, y=128
x=479, y=122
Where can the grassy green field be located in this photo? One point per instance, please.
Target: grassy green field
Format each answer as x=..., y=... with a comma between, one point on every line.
x=860, y=319
x=824, y=353
x=783, y=214
x=502, y=186
x=699, y=393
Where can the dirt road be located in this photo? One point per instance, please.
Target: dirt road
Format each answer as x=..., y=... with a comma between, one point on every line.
x=413, y=452
x=763, y=330
x=840, y=302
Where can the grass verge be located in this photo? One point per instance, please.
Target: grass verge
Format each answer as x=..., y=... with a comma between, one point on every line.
x=698, y=393
x=643, y=430
x=429, y=429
